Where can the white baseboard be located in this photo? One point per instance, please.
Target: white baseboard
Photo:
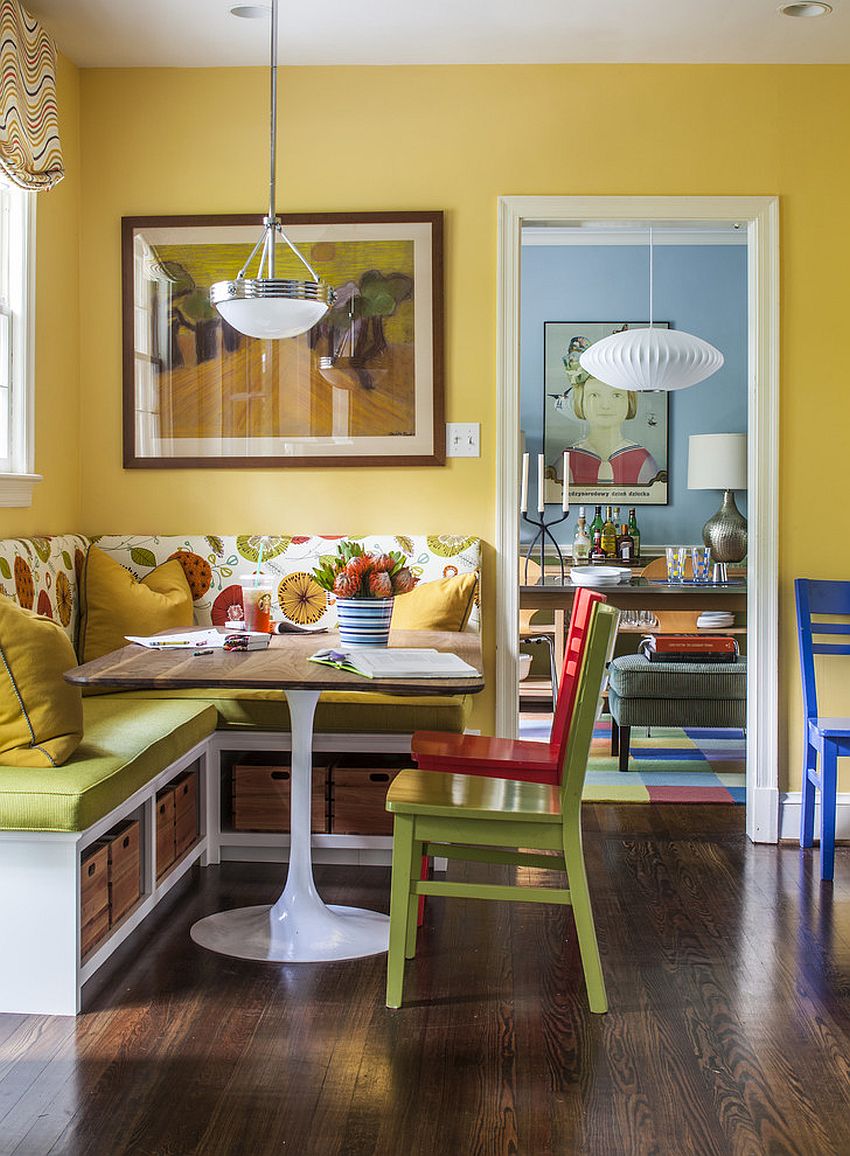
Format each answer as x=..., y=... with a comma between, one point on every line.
x=790, y=803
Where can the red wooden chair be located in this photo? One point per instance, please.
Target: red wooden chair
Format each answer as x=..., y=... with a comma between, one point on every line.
x=529, y=761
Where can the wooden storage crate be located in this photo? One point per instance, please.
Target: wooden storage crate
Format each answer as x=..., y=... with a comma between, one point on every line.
x=94, y=895
x=125, y=868
x=165, y=847
x=358, y=800
x=261, y=798
x=186, y=827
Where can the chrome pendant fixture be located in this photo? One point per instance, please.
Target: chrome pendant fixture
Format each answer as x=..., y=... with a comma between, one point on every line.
x=646, y=360
x=267, y=306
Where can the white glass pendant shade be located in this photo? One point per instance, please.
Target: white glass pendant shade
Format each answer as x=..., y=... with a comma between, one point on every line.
x=651, y=359
x=268, y=317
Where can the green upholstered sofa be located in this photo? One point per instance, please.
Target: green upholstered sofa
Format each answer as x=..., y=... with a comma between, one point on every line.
x=134, y=743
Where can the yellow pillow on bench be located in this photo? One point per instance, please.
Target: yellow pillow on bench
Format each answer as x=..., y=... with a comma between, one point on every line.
x=113, y=603
x=444, y=604
x=41, y=715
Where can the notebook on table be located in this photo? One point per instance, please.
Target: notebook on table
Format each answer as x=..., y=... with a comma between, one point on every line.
x=392, y=662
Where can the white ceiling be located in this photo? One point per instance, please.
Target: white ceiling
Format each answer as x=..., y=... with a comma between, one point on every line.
x=195, y=33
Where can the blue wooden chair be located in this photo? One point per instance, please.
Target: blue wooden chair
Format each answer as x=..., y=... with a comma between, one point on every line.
x=824, y=738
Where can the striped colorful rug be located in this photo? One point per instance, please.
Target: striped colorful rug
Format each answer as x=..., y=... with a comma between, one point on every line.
x=670, y=765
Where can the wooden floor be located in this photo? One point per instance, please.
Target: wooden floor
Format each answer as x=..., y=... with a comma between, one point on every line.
x=728, y=970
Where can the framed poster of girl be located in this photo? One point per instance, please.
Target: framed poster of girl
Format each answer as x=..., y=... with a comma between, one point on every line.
x=617, y=438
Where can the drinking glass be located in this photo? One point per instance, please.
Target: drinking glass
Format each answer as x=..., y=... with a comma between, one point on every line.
x=676, y=563
x=701, y=559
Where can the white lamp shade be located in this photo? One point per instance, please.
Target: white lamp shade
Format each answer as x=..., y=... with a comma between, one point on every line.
x=717, y=461
x=271, y=317
x=651, y=359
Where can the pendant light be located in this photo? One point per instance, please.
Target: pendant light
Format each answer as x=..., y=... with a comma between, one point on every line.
x=651, y=359
x=267, y=306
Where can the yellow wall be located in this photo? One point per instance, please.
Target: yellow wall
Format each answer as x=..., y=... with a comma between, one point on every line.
x=456, y=138
x=56, y=500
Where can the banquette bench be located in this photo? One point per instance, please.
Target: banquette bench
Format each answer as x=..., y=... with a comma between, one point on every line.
x=62, y=829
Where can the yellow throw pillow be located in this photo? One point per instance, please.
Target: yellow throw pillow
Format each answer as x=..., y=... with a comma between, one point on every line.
x=41, y=715
x=444, y=604
x=113, y=603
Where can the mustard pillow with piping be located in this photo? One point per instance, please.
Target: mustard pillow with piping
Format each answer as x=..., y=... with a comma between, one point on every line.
x=444, y=604
x=41, y=715
x=113, y=603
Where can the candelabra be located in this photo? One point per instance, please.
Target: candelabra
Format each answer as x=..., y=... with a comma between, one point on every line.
x=544, y=531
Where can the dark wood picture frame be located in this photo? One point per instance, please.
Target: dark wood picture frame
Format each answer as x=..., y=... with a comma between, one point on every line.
x=429, y=435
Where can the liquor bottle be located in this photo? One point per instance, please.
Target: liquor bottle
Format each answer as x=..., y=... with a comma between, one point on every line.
x=617, y=519
x=597, y=554
x=635, y=533
x=609, y=536
x=625, y=545
x=581, y=541
x=597, y=522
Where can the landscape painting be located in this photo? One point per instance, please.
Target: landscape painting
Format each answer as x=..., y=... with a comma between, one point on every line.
x=363, y=387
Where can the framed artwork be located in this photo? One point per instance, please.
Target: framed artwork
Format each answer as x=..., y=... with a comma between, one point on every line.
x=362, y=388
x=617, y=439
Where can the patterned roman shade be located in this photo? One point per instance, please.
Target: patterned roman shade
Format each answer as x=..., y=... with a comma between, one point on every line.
x=30, y=153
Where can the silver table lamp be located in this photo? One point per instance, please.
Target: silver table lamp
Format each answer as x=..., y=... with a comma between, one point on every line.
x=719, y=462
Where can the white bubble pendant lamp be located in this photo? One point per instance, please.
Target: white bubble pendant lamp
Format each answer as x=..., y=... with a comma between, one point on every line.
x=269, y=306
x=651, y=359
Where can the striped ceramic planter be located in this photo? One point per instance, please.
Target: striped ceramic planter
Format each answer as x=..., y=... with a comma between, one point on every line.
x=364, y=621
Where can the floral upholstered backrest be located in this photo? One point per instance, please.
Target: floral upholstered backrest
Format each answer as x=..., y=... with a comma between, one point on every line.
x=213, y=565
x=42, y=574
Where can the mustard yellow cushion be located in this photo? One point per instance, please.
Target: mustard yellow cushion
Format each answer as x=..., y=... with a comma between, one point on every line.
x=113, y=603
x=441, y=605
x=41, y=715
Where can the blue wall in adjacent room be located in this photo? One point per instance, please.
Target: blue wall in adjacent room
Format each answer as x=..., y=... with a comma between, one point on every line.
x=701, y=289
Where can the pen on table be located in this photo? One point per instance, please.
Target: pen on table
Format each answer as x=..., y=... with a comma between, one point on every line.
x=198, y=653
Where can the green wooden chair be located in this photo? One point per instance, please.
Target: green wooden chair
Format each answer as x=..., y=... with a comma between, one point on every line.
x=487, y=820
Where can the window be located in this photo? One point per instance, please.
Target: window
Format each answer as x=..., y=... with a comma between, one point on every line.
x=17, y=324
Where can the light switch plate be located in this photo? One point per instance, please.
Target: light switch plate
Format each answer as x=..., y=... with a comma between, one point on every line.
x=463, y=439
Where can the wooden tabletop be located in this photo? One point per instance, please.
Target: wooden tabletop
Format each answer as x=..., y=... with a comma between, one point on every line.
x=283, y=666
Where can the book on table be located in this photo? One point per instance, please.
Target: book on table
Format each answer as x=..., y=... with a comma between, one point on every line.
x=689, y=648
x=208, y=639
x=396, y=662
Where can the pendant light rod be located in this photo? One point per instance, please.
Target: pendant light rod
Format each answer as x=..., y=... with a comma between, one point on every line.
x=272, y=219
x=651, y=264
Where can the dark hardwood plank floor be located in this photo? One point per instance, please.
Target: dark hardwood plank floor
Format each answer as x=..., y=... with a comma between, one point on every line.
x=728, y=969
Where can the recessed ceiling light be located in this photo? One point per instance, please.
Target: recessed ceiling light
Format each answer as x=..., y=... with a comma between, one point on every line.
x=812, y=8
x=256, y=11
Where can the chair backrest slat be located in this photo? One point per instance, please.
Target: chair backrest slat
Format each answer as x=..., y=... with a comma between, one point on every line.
x=574, y=647
x=598, y=652
x=817, y=596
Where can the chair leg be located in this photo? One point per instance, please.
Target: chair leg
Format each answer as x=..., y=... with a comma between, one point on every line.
x=583, y=915
x=625, y=747
x=425, y=873
x=414, y=902
x=615, y=738
x=829, y=776
x=807, y=808
x=402, y=873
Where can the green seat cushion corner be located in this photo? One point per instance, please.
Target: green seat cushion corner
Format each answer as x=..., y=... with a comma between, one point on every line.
x=677, y=712
x=416, y=792
x=125, y=743
x=338, y=712
x=634, y=676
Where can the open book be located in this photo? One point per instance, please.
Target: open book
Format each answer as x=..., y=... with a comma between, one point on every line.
x=387, y=662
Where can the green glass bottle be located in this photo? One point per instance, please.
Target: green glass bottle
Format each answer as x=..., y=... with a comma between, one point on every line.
x=634, y=532
x=597, y=522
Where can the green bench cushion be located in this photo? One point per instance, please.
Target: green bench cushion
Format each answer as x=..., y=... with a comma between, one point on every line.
x=634, y=676
x=124, y=745
x=677, y=712
x=338, y=712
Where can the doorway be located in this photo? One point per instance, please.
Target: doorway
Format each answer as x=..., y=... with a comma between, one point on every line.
x=758, y=218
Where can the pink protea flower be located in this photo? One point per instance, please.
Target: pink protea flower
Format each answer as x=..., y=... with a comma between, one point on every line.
x=381, y=562
x=346, y=585
x=404, y=581
x=380, y=584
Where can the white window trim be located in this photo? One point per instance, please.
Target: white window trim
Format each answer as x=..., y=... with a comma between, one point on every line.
x=17, y=484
